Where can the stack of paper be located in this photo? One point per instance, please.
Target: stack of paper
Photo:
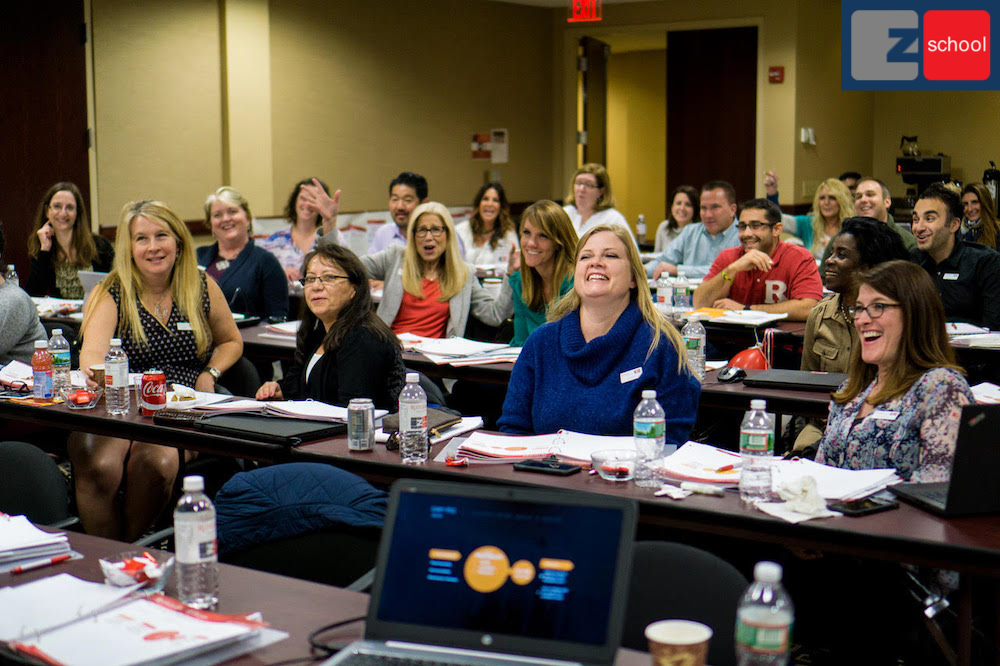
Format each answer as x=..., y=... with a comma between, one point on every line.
x=483, y=447
x=63, y=619
x=313, y=410
x=460, y=351
x=834, y=483
x=986, y=393
x=286, y=327
x=960, y=328
x=743, y=317
x=22, y=544
x=55, y=307
x=700, y=462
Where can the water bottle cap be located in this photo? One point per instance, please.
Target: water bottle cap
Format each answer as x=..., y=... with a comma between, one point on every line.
x=767, y=572
x=194, y=484
x=649, y=394
x=412, y=378
x=56, y=331
x=694, y=318
x=116, y=342
x=41, y=344
x=758, y=403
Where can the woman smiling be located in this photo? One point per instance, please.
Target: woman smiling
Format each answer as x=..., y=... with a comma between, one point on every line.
x=489, y=233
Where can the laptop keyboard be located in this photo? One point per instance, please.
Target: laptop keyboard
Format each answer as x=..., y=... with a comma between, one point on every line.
x=367, y=659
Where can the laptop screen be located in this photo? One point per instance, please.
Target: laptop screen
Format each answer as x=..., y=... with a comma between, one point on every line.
x=521, y=563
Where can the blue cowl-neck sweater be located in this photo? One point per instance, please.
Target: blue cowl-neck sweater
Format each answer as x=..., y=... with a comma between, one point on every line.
x=562, y=381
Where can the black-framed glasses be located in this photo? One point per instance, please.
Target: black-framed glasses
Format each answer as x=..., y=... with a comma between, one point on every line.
x=16, y=389
x=874, y=310
x=753, y=226
x=583, y=183
x=433, y=231
x=325, y=280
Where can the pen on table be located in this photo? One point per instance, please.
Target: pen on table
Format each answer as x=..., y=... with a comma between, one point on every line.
x=728, y=468
x=38, y=564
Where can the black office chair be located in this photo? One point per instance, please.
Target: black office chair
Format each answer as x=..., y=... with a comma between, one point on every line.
x=241, y=379
x=31, y=484
x=675, y=581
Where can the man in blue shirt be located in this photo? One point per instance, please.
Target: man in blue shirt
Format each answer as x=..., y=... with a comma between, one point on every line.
x=699, y=243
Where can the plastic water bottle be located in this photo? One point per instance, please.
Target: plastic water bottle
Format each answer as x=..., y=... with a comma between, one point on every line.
x=41, y=370
x=757, y=448
x=413, y=421
x=665, y=295
x=764, y=619
x=116, y=394
x=694, y=341
x=59, y=348
x=649, y=431
x=195, y=546
x=10, y=275
x=640, y=228
x=682, y=297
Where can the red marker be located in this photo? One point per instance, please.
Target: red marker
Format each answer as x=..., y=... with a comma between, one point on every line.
x=38, y=564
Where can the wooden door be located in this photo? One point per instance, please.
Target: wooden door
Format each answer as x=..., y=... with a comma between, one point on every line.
x=595, y=55
x=712, y=108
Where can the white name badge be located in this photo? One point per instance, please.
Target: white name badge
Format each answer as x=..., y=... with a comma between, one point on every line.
x=184, y=326
x=950, y=276
x=885, y=415
x=630, y=375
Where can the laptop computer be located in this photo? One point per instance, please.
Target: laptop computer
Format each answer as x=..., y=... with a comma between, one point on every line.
x=975, y=471
x=89, y=280
x=799, y=380
x=477, y=574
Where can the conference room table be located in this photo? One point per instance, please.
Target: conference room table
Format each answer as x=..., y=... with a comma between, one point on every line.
x=291, y=605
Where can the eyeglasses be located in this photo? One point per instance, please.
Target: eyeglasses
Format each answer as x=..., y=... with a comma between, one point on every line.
x=325, y=280
x=753, y=226
x=583, y=183
x=433, y=231
x=874, y=311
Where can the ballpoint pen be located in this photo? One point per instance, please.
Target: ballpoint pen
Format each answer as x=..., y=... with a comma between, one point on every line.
x=38, y=564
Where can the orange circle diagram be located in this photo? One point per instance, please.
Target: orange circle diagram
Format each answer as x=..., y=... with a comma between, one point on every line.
x=486, y=569
x=522, y=572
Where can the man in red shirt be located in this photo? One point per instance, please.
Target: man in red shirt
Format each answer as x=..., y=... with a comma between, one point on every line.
x=763, y=273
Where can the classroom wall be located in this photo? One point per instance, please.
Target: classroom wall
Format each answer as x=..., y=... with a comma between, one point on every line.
x=637, y=159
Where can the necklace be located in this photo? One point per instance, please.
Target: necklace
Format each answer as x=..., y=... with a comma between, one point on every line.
x=843, y=310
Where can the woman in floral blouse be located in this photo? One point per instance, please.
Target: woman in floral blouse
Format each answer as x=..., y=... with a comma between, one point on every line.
x=902, y=401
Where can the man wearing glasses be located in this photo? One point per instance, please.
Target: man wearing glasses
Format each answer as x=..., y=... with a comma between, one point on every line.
x=763, y=273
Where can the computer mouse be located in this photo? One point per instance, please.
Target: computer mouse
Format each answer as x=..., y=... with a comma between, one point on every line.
x=731, y=374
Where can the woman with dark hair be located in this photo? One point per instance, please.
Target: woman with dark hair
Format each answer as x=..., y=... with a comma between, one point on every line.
x=980, y=223
x=684, y=209
x=62, y=245
x=903, y=398
x=489, y=233
x=830, y=336
x=343, y=350
x=309, y=221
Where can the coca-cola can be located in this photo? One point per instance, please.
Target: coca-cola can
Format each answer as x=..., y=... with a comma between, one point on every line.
x=153, y=392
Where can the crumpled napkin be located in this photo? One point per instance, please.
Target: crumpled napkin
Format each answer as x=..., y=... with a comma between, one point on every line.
x=802, y=501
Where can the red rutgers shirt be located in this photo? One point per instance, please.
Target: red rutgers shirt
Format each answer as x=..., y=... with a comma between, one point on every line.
x=793, y=275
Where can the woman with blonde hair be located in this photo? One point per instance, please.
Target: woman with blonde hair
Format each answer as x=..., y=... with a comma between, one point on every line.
x=590, y=201
x=170, y=316
x=429, y=289
x=980, y=224
x=62, y=245
x=251, y=277
x=604, y=344
x=832, y=204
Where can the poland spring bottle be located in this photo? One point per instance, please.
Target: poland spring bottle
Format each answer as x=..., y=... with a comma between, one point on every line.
x=682, y=296
x=413, y=421
x=649, y=432
x=59, y=348
x=116, y=394
x=10, y=275
x=764, y=619
x=694, y=342
x=640, y=228
x=195, y=545
x=757, y=448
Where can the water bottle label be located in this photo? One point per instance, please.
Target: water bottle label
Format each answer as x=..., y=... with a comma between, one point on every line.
x=116, y=375
x=42, y=384
x=195, y=542
x=412, y=417
x=649, y=429
x=762, y=639
x=692, y=343
x=60, y=359
x=756, y=441
x=680, y=291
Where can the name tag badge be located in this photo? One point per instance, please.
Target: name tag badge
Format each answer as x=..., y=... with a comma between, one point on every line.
x=184, y=326
x=885, y=415
x=630, y=375
x=950, y=276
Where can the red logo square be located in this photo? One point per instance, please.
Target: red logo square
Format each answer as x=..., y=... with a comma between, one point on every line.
x=957, y=45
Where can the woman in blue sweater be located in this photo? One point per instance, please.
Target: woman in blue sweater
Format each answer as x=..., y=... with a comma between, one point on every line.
x=586, y=369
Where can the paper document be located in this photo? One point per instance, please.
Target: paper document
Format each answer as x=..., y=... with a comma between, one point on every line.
x=742, y=317
x=986, y=393
x=695, y=461
x=484, y=447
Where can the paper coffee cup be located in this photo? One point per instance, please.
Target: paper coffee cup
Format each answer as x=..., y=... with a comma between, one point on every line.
x=678, y=642
x=98, y=370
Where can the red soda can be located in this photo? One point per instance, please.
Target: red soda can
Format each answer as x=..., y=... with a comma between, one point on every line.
x=153, y=392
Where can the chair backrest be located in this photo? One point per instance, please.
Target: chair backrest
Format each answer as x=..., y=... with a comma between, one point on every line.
x=241, y=379
x=675, y=581
x=31, y=484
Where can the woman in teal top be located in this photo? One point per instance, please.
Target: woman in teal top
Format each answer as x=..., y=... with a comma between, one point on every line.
x=832, y=204
x=548, y=245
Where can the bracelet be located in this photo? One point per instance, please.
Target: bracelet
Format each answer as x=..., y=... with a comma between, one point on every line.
x=725, y=276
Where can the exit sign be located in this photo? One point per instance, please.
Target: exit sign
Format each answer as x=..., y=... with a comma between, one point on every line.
x=584, y=10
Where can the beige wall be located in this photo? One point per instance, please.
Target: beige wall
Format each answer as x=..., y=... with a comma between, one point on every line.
x=637, y=134
x=158, y=125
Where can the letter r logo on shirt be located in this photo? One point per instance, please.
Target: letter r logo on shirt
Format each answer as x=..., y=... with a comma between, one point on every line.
x=774, y=291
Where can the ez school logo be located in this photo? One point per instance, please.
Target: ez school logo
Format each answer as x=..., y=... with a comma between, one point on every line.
x=907, y=49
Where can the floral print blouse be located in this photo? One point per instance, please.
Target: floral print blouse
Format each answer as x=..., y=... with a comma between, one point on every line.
x=914, y=433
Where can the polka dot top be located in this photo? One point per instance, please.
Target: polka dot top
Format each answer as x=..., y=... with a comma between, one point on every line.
x=171, y=347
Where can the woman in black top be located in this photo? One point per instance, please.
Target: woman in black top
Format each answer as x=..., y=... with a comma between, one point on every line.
x=343, y=349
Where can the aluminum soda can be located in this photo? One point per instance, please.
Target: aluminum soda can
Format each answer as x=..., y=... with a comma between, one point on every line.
x=361, y=425
x=153, y=392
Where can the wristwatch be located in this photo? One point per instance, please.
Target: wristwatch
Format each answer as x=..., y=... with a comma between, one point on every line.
x=214, y=372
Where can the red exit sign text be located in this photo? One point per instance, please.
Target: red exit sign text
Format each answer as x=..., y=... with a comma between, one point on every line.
x=584, y=10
